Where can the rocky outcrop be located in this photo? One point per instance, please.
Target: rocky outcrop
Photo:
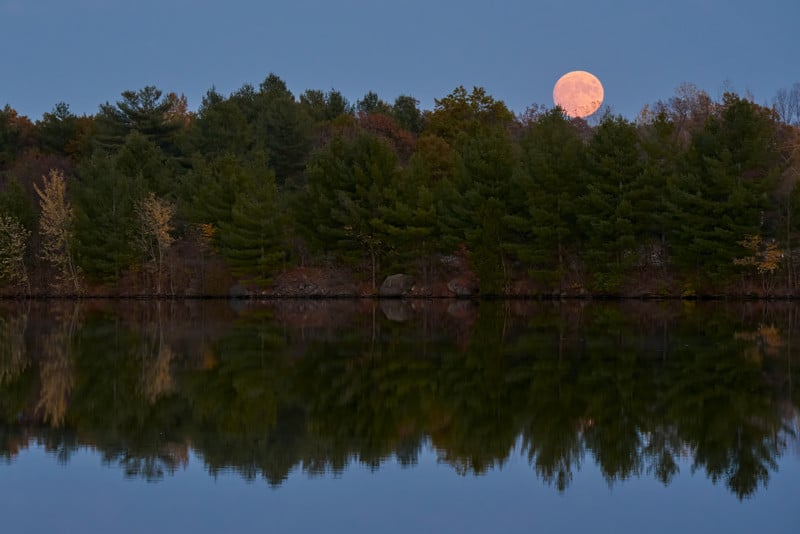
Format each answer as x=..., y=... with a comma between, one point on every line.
x=313, y=283
x=396, y=285
x=463, y=286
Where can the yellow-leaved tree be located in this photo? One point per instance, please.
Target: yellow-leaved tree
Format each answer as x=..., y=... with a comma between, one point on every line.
x=13, y=244
x=765, y=256
x=55, y=227
x=155, y=224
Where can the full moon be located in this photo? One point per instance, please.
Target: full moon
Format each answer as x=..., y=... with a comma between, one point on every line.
x=579, y=93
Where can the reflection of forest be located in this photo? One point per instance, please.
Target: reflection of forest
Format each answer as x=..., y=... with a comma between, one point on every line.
x=264, y=389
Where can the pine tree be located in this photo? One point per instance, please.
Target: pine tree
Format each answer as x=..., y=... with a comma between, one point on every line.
x=254, y=241
x=15, y=202
x=221, y=127
x=145, y=111
x=283, y=129
x=543, y=210
x=720, y=196
x=109, y=189
x=408, y=222
x=473, y=210
x=614, y=165
x=106, y=222
x=649, y=195
x=341, y=208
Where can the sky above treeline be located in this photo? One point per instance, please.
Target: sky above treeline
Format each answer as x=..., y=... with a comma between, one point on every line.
x=86, y=52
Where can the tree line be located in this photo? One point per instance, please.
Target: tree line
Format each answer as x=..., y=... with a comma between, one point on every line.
x=695, y=196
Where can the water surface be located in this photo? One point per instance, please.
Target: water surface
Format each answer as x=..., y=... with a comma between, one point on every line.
x=426, y=416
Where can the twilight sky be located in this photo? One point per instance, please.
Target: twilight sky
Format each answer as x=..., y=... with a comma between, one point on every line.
x=86, y=52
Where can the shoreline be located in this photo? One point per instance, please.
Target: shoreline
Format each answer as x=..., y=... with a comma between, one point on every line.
x=376, y=297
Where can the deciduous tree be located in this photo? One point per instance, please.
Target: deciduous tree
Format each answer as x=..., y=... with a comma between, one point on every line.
x=155, y=231
x=13, y=246
x=56, y=230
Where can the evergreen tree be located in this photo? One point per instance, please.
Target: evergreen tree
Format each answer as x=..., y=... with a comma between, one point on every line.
x=17, y=204
x=221, y=127
x=341, y=209
x=614, y=165
x=106, y=222
x=473, y=208
x=409, y=223
x=720, y=196
x=141, y=158
x=547, y=183
x=406, y=112
x=16, y=134
x=324, y=107
x=210, y=190
x=283, y=128
x=254, y=241
x=59, y=131
x=372, y=103
x=145, y=111
x=649, y=195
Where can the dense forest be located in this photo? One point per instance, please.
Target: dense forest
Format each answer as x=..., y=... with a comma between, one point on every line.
x=264, y=193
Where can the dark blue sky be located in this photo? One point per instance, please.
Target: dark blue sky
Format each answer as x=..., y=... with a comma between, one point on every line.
x=86, y=52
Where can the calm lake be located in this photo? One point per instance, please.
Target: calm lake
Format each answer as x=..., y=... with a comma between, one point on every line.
x=394, y=416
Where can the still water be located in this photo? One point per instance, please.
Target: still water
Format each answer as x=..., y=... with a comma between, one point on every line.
x=428, y=416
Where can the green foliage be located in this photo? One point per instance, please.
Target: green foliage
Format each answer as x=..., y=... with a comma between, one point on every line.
x=547, y=183
x=606, y=213
x=60, y=131
x=371, y=103
x=106, y=224
x=408, y=223
x=324, y=107
x=16, y=203
x=406, y=112
x=474, y=204
x=617, y=207
x=254, y=241
x=221, y=127
x=283, y=128
x=348, y=186
x=464, y=113
x=15, y=136
x=721, y=195
x=144, y=111
x=210, y=189
x=141, y=159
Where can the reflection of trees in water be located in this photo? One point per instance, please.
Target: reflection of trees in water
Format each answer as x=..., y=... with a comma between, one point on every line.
x=151, y=465
x=56, y=364
x=14, y=357
x=795, y=432
x=639, y=389
x=156, y=355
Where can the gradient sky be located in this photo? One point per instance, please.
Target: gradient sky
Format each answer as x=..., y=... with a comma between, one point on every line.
x=86, y=52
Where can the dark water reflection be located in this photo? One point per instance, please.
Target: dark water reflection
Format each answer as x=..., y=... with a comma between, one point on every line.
x=270, y=388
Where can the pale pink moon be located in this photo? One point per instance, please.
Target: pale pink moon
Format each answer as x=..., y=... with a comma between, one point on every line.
x=578, y=93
